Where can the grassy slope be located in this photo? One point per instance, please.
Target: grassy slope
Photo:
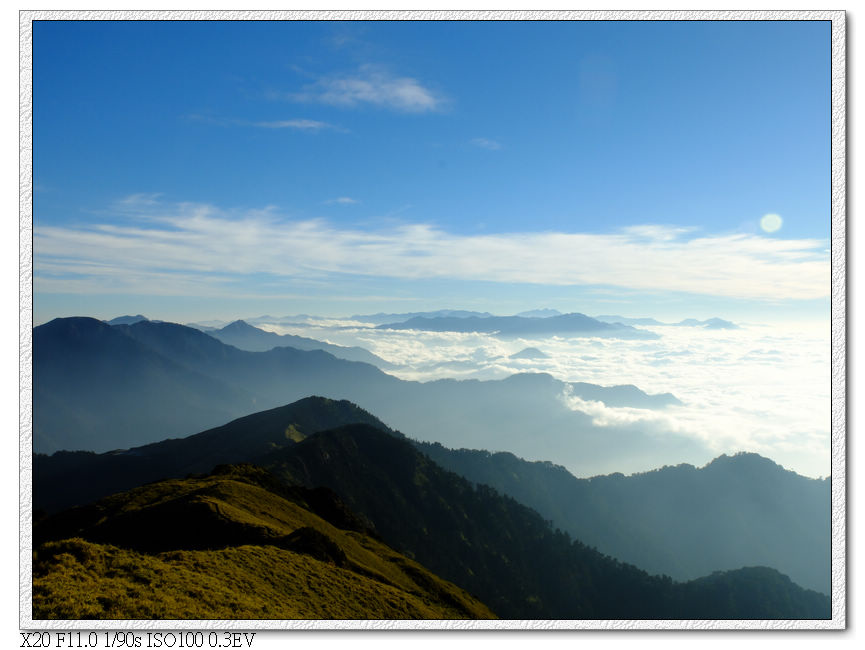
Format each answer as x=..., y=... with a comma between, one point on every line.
x=81, y=580
x=225, y=547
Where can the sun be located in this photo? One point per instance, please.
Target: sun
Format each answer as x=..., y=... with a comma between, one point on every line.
x=771, y=222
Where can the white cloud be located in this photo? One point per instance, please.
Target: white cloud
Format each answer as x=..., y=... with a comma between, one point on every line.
x=299, y=124
x=760, y=389
x=605, y=416
x=486, y=143
x=371, y=85
x=656, y=232
x=342, y=200
x=193, y=238
x=140, y=200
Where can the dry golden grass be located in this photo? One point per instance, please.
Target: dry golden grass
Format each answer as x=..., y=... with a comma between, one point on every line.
x=75, y=578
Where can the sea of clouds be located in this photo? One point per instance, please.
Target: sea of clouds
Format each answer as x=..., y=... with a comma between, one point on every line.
x=759, y=388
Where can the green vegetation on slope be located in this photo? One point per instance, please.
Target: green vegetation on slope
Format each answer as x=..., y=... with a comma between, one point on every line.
x=504, y=552
x=234, y=544
x=497, y=549
x=681, y=521
x=75, y=579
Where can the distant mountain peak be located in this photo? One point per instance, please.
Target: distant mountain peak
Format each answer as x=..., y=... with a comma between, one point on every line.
x=744, y=459
x=127, y=320
x=709, y=324
x=573, y=324
x=382, y=318
x=719, y=324
x=529, y=353
x=539, y=313
x=240, y=326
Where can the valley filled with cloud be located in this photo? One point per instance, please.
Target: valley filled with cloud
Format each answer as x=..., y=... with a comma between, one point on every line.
x=760, y=388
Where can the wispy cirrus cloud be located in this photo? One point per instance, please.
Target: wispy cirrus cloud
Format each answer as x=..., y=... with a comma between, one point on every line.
x=342, y=200
x=486, y=143
x=194, y=238
x=371, y=85
x=298, y=124
x=140, y=200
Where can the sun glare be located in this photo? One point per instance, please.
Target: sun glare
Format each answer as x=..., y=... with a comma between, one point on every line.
x=771, y=222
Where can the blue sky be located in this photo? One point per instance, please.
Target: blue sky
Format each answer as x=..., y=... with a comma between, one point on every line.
x=215, y=170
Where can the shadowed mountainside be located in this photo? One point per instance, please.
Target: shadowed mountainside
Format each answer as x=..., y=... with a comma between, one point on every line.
x=99, y=388
x=680, y=521
x=66, y=479
x=246, y=337
x=499, y=550
x=93, y=384
x=503, y=551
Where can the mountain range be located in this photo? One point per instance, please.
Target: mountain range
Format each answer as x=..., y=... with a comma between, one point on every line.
x=525, y=539
x=98, y=387
x=677, y=521
x=246, y=337
x=680, y=521
x=379, y=487
x=571, y=324
x=381, y=318
x=127, y=320
x=709, y=324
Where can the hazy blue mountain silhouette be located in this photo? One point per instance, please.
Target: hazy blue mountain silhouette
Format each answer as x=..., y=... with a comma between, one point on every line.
x=126, y=320
x=246, y=337
x=134, y=384
x=629, y=321
x=573, y=324
x=504, y=552
x=381, y=318
x=96, y=388
x=529, y=353
x=622, y=396
x=719, y=324
x=539, y=313
x=680, y=521
x=709, y=324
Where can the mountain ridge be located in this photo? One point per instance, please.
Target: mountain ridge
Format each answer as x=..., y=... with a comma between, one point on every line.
x=469, y=535
x=244, y=336
x=243, y=439
x=244, y=544
x=573, y=324
x=678, y=520
x=413, y=502
x=133, y=384
x=710, y=323
x=265, y=438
